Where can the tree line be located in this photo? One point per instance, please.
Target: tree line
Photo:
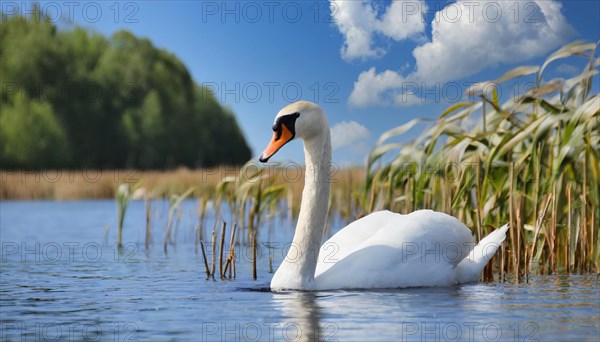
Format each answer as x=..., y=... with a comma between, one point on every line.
x=71, y=98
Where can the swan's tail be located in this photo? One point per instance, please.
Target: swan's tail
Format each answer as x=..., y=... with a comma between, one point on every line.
x=470, y=268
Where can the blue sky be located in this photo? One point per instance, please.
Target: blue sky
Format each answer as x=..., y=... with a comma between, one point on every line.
x=358, y=59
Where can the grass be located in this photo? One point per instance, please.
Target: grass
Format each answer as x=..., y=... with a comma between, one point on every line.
x=531, y=160
x=97, y=184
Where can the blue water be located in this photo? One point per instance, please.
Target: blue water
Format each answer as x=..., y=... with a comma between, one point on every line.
x=62, y=279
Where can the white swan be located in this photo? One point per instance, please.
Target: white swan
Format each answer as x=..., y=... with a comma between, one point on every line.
x=381, y=250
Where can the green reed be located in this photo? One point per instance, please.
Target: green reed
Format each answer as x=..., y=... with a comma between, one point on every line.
x=531, y=161
x=123, y=195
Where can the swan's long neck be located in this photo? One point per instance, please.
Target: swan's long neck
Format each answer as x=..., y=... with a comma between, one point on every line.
x=301, y=261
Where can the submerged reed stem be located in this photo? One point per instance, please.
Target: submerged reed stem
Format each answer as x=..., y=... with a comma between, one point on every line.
x=148, y=203
x=214, y=253
x=204, y=258
x=222, y=247
x=254, y=277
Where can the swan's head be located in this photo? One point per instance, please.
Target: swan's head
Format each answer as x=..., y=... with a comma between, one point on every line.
x=303, y=120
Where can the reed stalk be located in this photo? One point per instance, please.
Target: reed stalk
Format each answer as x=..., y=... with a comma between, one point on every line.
x=214, y=253
x=221, y=248
x=232, y=248
x=569, y=230
x=174, y=216
x=148, y=204
x=231, y=255
x=254, y=277
x=123, y=197
x=205, y=260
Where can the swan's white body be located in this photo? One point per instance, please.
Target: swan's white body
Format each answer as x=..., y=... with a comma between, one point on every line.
x=381, y=250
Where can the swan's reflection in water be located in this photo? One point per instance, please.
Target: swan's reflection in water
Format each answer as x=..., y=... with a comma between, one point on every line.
x=302, y=317
x=400, y=314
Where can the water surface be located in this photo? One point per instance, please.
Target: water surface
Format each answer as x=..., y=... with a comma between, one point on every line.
x=63, y=279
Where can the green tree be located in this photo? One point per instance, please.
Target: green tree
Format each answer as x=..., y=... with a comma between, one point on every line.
x=105, y=102
x=30, y=135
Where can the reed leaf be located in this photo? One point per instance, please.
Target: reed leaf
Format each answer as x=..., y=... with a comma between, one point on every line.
x=518, y=72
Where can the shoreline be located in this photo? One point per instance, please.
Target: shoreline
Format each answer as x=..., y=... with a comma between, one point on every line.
x=65, y=185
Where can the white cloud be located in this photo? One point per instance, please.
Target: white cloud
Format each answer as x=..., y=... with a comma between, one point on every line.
x=371, y=88
x=486, y=34
x=387, y=88
x=360, y=21
x=467, y=37
x=347, y=132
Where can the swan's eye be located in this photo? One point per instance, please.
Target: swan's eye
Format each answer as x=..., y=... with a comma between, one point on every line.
x=289, y=121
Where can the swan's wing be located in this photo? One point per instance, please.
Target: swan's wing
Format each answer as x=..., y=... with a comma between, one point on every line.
x=350, y=237
x=418, y=249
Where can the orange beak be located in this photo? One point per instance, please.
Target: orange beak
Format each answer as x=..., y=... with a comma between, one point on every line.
x=277, y=142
